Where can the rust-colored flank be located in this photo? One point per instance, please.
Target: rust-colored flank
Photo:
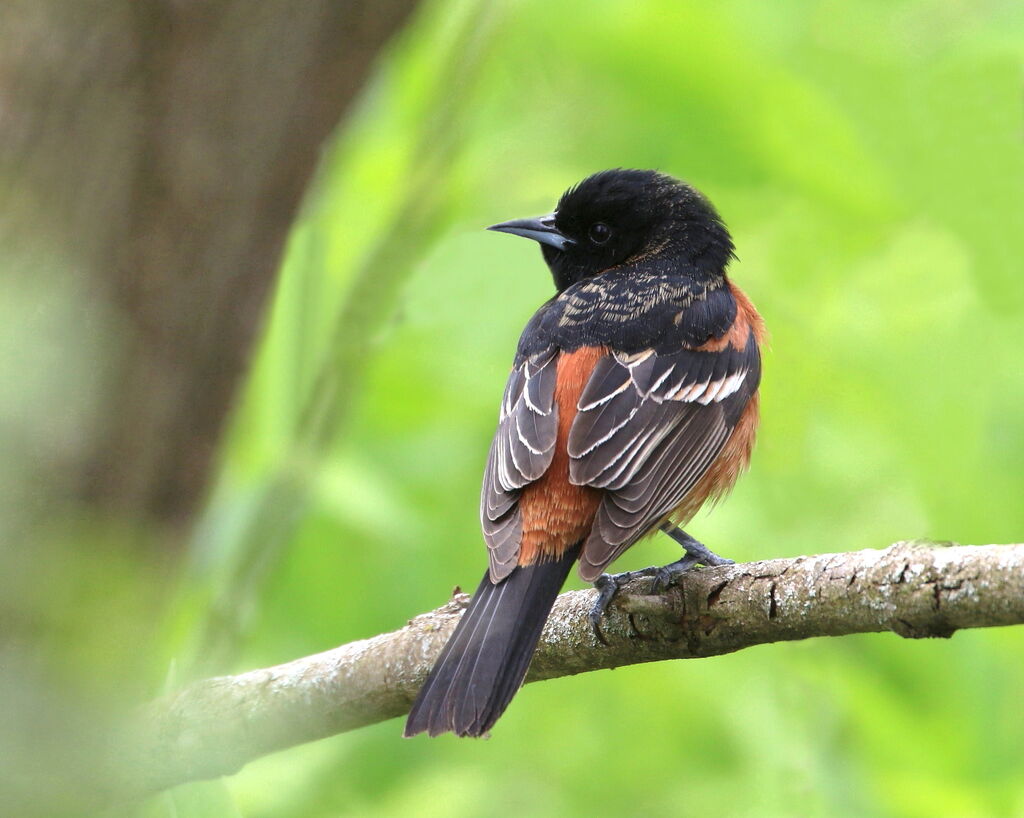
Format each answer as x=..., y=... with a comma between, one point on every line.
x=735, y=455
x=747, y=318
x=556, y=513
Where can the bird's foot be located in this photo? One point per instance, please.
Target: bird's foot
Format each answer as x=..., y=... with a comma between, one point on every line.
x=608, y=586
x=696, y=554
x=694, y=548
x=667, y=574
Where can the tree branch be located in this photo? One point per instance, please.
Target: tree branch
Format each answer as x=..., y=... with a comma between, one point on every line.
x=917, y=589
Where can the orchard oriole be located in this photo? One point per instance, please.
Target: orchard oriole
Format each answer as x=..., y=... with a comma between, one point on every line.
x=632, y=400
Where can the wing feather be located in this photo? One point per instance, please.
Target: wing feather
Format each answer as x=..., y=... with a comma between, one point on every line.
x=648, y=427
x=648, y=446
x=521, y=451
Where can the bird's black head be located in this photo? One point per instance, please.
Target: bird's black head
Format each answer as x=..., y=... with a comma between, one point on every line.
x=616, y=217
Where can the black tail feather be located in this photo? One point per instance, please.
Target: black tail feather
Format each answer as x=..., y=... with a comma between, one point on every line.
x=486, y=659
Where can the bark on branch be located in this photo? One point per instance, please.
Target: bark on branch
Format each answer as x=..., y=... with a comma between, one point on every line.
x=215, y=726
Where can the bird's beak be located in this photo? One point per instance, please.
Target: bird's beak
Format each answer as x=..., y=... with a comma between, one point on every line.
x=541, y=229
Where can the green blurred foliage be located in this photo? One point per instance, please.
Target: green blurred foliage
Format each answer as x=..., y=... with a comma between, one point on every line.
x=868, y=159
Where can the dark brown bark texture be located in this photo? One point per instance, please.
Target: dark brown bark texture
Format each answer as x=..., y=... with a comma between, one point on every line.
x=156, y=152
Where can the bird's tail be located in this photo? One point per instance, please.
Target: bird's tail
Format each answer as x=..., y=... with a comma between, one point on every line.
x=486, y=658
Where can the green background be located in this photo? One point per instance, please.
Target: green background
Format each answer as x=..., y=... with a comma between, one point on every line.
x=867, y=157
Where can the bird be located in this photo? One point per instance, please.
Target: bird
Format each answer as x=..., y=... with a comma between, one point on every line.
x=632, y=401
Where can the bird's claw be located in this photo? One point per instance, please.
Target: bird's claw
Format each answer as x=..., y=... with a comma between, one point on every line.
x=608, y=585
x=667, y=574
x=694, y=549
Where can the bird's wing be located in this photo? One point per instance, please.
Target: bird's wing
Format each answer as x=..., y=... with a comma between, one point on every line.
x=649, y=426
x=521, y=452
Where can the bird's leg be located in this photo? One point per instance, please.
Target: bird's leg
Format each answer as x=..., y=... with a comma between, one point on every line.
x=697, y=553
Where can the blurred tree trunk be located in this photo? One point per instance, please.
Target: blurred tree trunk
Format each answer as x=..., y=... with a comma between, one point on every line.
x=153, y=154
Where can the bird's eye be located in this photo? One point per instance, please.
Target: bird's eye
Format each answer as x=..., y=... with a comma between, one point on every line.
x=600, y=233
